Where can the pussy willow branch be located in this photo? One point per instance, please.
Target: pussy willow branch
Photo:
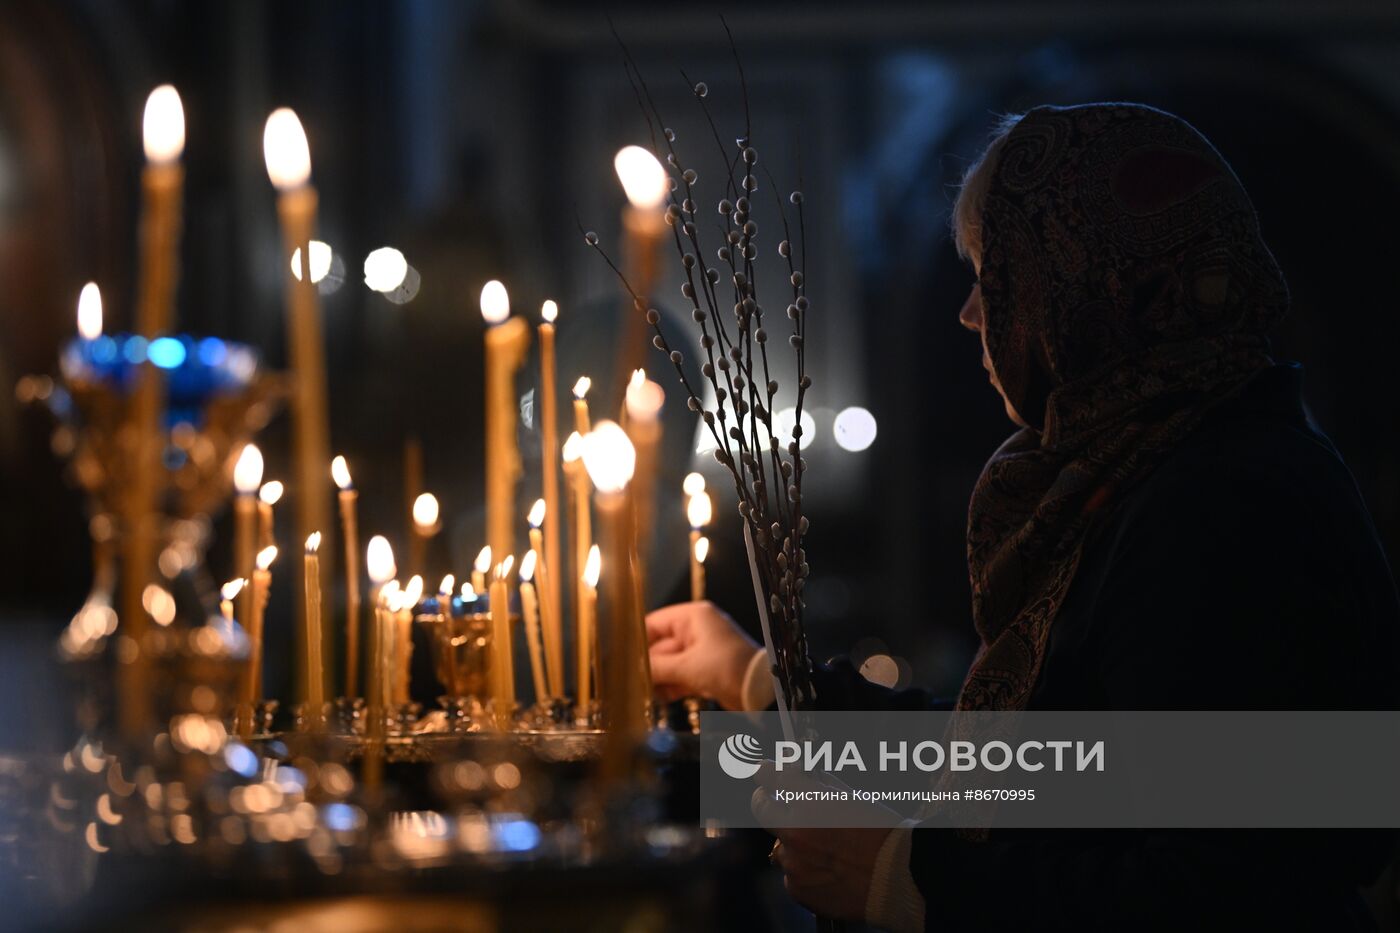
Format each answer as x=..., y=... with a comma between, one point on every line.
x=778, y=526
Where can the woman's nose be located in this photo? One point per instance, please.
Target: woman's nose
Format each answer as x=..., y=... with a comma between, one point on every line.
x=971, y=314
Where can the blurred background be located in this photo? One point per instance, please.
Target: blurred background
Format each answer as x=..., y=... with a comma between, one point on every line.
x=478, y=137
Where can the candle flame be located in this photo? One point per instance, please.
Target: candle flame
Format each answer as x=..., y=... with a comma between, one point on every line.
x=445, y=587
x=389, y=591
x=340, y=472
x=158, y=602
x=582, y=386
x=527, y=566
x=702, y=549
x=313, y=542
x=248, y=471
x=468, y=593
x=593, y=567
x=414, y=591
x=271, y=492
x=549, y=311
x=644, y=398
x=285, y=150
x=385, y=269
x=503, y=570
x=379, y=560
x=573, y=447
x=609, y=457
x=536, y=516
x=425, y=511
x=699, y=510
x=90, y=312
x=232, y=588
x=643, y=179
x=495, y=303
x=163, y=126
x=693, y=483
x=267, y=555
x=483, y=560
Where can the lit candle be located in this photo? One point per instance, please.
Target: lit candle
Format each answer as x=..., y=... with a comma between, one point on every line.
x=587, y=629
x=379, y=563
x=480, y=568
x=425, y=513
x=553, y=627
x=699, y=511
x=268, y=496
x=162, y=181
x=529, y=610
x=403, y=638
x=642, y=403
x=507, y=339
x=259, y=589
x=502, y=650
x=247, y=476
x=288, y=159
x=227, y=592
x=582, y=531
x=444, y=598
x=349, y=523
x=314, y=673
x=412, y=489
x=646, y=184
x=611, y=460
x=582, y=423
x=549, y=474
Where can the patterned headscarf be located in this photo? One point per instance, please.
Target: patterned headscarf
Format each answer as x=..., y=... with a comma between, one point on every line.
x=1125, y=291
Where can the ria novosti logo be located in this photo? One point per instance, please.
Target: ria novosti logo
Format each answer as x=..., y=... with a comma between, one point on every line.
x=740, y=756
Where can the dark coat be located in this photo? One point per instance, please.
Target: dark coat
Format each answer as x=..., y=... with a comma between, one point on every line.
x=1244, y=573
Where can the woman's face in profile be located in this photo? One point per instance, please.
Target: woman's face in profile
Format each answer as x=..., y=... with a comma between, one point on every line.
x=971, y=317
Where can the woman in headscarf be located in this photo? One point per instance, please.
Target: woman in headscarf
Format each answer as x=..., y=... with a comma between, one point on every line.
x=1166, y=530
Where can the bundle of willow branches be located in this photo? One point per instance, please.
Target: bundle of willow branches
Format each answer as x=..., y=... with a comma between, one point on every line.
x=719, y=282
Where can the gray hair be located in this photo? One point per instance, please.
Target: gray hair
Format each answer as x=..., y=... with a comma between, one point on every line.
x=972, y=196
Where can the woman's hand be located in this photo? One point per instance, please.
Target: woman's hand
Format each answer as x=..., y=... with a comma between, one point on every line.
x=829, y=871
x=697, y=650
